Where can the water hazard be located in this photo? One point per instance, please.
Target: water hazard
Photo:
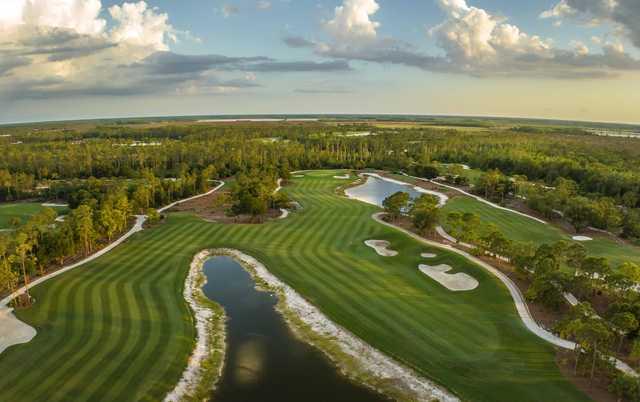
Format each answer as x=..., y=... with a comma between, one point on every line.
x=264, y=361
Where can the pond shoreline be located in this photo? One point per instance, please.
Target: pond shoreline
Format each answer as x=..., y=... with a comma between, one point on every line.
x=205, y=365
x=354, y=358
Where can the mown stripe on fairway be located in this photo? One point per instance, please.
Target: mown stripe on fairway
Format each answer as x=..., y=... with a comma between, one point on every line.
x=471, y=342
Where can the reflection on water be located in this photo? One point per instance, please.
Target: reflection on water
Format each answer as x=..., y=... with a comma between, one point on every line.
x=264, y=361
x=375, y=190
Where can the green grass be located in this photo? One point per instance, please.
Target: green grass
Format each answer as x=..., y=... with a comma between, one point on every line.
x=118, y=329
x=22, y=211
x=520, y=228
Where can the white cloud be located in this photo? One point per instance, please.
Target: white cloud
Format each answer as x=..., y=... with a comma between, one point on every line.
x=579, y=48
x=81, y=16
x=139, y=25
x=474, y=41
x=473, y=36
x=352, y=20
x=263, y=5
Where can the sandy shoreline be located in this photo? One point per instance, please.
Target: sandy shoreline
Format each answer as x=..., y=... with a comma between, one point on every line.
x=376, y=370
x=210, y=344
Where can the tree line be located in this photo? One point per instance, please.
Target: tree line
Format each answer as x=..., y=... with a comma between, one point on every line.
x=100, y=210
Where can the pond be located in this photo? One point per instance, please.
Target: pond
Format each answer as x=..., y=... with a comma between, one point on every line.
x=264, y=361
x=376, y=189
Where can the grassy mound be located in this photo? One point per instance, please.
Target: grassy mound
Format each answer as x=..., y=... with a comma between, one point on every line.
x=119, y=329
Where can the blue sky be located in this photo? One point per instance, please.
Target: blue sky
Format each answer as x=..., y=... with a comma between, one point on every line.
x=574, y=59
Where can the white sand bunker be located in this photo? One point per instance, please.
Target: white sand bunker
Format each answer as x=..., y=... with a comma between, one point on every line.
x=428, y=255
x=455, y=282
x=343, y=177
x=12, y=330
x=381, y=247
x=581, y=238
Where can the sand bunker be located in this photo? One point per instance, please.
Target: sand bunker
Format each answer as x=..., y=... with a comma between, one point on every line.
x=581, y=238
x=12, y=330
x=298, y=176
x=455, y=282
x=343, y=177
x=381, y=247
x=428, y=255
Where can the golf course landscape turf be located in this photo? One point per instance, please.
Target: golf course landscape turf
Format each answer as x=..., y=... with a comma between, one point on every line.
x=523, y=229
x=22, y=211
x=119, y=329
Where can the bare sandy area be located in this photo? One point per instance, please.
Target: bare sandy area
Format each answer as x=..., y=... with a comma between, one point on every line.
x=381, y=247
x=582, y=238
x=343, y=177
x=12, y=330
x=428, y=255
x=459, y=282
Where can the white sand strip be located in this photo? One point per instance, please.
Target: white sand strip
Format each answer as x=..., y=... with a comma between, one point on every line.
x=203, y=316
x=369, y=359
x=571, y=299
x=12, y=330
x=298, y=176
x=381, y=247
x=581, y=238
x=8, y=320
x=283, y=213
x=428, y=255
x=455, y=282
x=53, y=205
x=516, y=295
x=343, y=177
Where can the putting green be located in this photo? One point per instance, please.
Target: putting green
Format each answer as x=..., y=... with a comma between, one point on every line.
x=22, y=211
x=119, y=329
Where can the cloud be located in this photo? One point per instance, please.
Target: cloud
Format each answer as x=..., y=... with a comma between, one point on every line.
x=10, y=62
x=139, y=25
x=624, y=14
x=473, y=41
x=297, y=42
x=263, y=5
x=352, y=22
x=81, y=16
x=229, y=9
x=301, y=66
x=52, y=48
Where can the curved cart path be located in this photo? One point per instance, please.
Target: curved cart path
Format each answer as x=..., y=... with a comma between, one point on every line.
x=14, y=331
x=516, y=295
x=477, y=198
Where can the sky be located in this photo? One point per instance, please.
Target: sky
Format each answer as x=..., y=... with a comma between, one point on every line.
x=74, y=59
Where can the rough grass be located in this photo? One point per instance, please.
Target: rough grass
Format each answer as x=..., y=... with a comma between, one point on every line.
x=119, y=329
x=22, y=211
x=523, y=229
